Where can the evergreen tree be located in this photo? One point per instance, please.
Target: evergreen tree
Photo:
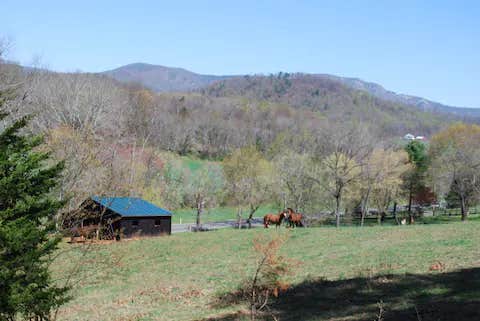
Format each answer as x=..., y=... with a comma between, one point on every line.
x=27, y=237
x=415, y=178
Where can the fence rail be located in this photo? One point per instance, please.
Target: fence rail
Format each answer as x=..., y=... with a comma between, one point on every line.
x=455, y=211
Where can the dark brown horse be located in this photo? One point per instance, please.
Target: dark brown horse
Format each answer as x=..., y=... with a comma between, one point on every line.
x=294, y=219
x=274, y=219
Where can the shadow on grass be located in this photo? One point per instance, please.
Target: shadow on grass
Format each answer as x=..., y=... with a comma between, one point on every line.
x=426, y=297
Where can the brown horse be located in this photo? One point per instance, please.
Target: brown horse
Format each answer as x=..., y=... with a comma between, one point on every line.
x=274, y=219
x=294, y=219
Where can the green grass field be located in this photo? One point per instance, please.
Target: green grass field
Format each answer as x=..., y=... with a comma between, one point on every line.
x=193, y=164
x=343, y=274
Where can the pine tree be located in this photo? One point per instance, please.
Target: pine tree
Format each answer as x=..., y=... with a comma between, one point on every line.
x=27, y=230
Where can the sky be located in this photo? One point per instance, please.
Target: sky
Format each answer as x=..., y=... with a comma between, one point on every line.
x=428, y=48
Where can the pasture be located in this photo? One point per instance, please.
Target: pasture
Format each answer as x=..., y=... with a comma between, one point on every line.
x=343, y=274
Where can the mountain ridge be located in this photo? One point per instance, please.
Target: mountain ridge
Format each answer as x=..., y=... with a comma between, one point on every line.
x=174, y=79
x=419, y=102
x=161, y=78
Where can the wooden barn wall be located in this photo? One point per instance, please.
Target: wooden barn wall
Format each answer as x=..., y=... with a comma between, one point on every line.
x=146, y=226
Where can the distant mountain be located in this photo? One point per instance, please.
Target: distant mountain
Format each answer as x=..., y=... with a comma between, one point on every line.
x=419, y=102
x=168, y=79
x=161, y=78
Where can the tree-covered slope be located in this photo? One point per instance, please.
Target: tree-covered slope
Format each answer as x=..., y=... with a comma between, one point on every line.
x=167, y=79
x=419, y=102
x=332, y=99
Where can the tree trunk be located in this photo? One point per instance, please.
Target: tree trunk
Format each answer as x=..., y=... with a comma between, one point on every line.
x=250, y=216
x=337, y=210
x=253, y=312
x=410, y=198
x=365, y=207
x=395, y=212
x=464, y=208
x=381, y=217
x=362, y=219
x=199, y=213
x=239, y=217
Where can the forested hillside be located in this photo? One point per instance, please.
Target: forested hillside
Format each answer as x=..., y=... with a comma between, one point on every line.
x=331, y=99
x=468, y=114
x=168, y=79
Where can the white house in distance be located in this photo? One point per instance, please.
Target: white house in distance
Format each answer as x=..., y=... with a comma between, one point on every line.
x=413, y=137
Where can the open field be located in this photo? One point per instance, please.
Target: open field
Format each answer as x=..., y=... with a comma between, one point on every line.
x=343, y=274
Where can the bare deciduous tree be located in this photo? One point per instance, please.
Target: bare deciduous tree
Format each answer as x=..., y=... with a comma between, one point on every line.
x=250, y=180
x=204, y=189
x=294, y=173
x=455, y=155
x=381, y=179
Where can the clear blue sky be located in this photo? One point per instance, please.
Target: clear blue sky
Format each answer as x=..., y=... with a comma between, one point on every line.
x=428, y=48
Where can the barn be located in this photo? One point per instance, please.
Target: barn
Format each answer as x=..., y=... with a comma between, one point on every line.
x=131, y=216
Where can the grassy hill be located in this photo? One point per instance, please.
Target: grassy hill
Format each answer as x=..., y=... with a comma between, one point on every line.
x=343, y=274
